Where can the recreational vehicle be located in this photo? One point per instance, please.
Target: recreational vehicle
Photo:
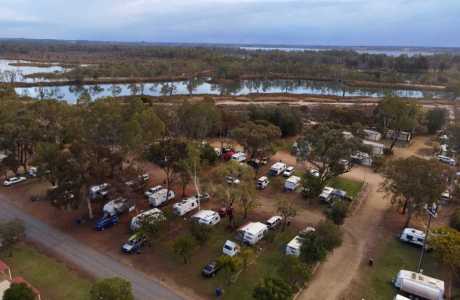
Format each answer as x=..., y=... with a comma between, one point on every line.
x=413, y=236
x=419, y=285
x=152, y=215
x=278, y=169
x=206, y=217
x=292, y=183
x=185, y=206
x=161, y=197
x=293, y=247
x=252, y=233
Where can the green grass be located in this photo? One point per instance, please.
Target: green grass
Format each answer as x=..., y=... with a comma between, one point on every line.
x=350, y=186
x=53, y=279
x=394, y=257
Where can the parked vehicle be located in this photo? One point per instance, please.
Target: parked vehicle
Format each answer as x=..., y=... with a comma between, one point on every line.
x=185, y=206
x=445, y=197
x=203, y=197
x=206, y=217
x=161, y=197
x=447, y=160
x=231, y=248
x=239, y=157
x=153, y=190
x=361, y=158
x=101, y=190
x=372, y=135
x=292, y=183
x=314, y=172
x=277, y=169
x=326, y=194
x=116, y=206
x=289, y=171
x=211, y=269
x=105, y=222
x=419, y=285
x=232, y=180
x=257, y=163
x=377, y=148
x=144, y=177
x=227, y=154
x=399, y=297
x=152, y=215
x=252, y=233
x=32, y=172
x=413, y=236
x=134, y=244
x=345, y=163
x=262, y=182
x=293, y=247
x=14, y=180
x=274, y=222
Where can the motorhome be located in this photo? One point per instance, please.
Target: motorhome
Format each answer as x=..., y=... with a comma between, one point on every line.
x=231, y=248
x=412, y=236
x=262, y=182
x=116, y=206
x=239, y=157
x=292, y=183
x=252, y=233
x=161, y=197
x=419, y=285
x=152, y=215
x=277, y=169
x=293, y=247
x=206, y=217
x=185, y=206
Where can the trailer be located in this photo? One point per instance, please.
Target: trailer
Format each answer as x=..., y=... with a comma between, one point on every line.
x=252, y=233
x=206, y=217
x=186, y=206
x=116, y=206
x=161, y=197
x=419, y=285
x=152, y=215
x=413, y=236
x=293, y=247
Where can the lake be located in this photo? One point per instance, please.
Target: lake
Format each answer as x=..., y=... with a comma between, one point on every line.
x=196, y=87
x=7, y=70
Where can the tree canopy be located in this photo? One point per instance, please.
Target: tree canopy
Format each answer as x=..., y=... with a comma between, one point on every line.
x=111, y=289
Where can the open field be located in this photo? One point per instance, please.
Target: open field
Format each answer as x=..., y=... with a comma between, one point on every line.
x=54, y=280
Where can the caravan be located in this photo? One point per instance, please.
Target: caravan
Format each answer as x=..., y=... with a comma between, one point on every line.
x=413, y=236
x=252, y=233
x=419, y=285
x=292, y=183
x=278, y=169
x=161, y=197
x=185, y=206
x=293, y=247
x=116, y=206
x=206, y=217
x=153, y=190
x=153, y=215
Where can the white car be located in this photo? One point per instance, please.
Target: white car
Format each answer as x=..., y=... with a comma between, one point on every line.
x=326, y=194
x=13, y=180
x=262, y=182
x=447, y=160
x=231, y=248
x=314, y=172
x=289, y=171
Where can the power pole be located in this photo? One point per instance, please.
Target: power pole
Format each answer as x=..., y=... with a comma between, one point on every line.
x=432, y=213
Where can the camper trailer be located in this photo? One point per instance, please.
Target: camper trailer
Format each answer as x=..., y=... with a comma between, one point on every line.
x=206, y=217
x=262, y=182
x=292, y=183
x=252, y=233
x=185, y=206
x=278, y=169
x=293, y=247
x=116, y=206
x=419, y=285
x=161, y=197
x=231, y=248
x=152, y=215
x=413, y=236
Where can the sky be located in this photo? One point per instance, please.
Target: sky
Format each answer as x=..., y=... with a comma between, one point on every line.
x=290, y=22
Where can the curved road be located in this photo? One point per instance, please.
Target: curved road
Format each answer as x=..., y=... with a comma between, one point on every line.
x=89, y=260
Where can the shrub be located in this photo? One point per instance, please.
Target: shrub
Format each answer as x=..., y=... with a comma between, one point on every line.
x=111, y=289
x=338, y=212
x=209, y=154
x=455, y=219
x=183, y=247
x=330, y=234
x=273, y=289
x=294, y=271
x=313, y=249
x=19, y=291
x=200, y=232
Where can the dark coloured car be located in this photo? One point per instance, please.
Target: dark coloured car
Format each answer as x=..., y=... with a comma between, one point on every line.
x=211, y=269
x=106, y=222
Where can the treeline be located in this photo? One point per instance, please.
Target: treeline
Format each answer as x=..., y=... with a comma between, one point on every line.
x=147, y=60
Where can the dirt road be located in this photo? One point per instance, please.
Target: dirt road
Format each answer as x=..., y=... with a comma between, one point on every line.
x=89, y=260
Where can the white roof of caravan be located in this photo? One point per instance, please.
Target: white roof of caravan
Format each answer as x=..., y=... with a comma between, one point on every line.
x=254, y=227
x=293, y=179
x=422, y=279
x=185, y=201
x=204, y=214
x=4, y=285
x=399, y=297
x=278, y=165
x=152, y=211
x=263, y=178
x=296, y=242
x=414, y=231
x=374, y=144
x=370, y=131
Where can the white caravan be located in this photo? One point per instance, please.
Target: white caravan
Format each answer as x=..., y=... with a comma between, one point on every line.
x=293, y=247
x=326, y=194
x=231, y=248
x=161, y=197
x=419, y=285
x=399, y=297
x=292, y=183
x=252, y=233
x=153, y=190
x=206, y=217
x=185, y=206
x=152, y=215
x=116, y=206
x=413, y=236
x=377, y=148
x=239, y=157
x=262, y=182
x=278, y=169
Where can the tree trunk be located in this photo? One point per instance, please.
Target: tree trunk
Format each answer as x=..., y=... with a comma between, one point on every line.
x=408, y=219
x=90, y=208
x=405, y=207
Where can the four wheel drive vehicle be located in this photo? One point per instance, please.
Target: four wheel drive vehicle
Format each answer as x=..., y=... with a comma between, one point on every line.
x=326, y=194
x=239, y=157
x=152, y=215
x=206, y=217
x=134, y=244
x=232, y=180
x=262, y=182
x=152, y=190
x=274, y=222
x=211, y=269
x=445, y=197
x=231, y=248
x=289, y=171
x=116, y=206
x=345, y=164
x=277, y=169
x=106, y=222
x=144, y=177
x=14, y=180
x=161, y=197
x=412, y=236
x=185, y=206
x=447, y=160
